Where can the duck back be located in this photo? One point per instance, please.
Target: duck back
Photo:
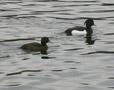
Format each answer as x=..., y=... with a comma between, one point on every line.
x=75, y=29
x=34, y=47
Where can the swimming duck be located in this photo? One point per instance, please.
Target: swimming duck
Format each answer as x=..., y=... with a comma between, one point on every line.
x=34, y=46
x=80, y=30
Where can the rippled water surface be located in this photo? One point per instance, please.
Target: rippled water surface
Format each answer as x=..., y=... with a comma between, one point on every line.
x=71, y=64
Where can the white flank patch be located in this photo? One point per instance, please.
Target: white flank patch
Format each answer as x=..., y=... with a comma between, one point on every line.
x=76, y=32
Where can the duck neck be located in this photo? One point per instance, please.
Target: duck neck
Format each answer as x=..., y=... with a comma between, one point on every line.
x=43, y=43
x=89, y=31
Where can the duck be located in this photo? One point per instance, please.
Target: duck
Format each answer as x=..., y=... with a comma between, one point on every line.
x=81, y=30
x=35, y=47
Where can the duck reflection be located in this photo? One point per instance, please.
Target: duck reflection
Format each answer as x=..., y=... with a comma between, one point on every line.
x=90, y=40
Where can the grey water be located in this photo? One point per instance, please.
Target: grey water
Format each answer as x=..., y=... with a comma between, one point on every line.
x=71, y=63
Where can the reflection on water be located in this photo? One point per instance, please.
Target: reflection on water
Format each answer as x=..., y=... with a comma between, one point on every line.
x=89, y=40
x=72, y=62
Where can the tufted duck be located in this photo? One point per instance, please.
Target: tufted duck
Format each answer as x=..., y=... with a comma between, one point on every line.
x=80, y=30
x=34, y=47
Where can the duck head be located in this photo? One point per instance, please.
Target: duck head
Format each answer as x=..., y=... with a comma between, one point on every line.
x=44, y=40
x=89, y=22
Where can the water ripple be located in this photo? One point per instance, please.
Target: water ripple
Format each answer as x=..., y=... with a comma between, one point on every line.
x=77, y=18
x=103, y=52
x=11, y=2
x=20, y=72
x=47, y=0
x=69, y=61
x=13, y=85
x=58, y=70
x=107, y=4
x=7, y=56
x=109, y=42
x=97, y=11
x=4, y=10
x=111, y=23
x=73, y=49
x=111, y=87
x=9, y=16
x=72, y=5
x=26, y=16
x=78, y=1
x=48, y=11
x=111, y=78
x=11, y=40
x=109, y=34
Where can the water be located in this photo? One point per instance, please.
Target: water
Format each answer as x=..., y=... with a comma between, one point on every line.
x=71, y=63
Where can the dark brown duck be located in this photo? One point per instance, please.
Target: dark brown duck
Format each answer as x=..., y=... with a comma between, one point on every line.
x=35, y=47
